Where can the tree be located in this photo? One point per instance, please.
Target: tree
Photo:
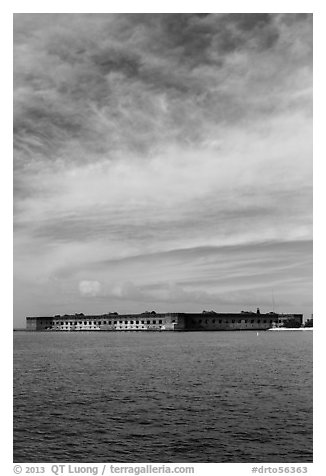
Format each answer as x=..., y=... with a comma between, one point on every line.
x=309, y=323
x=291, y=323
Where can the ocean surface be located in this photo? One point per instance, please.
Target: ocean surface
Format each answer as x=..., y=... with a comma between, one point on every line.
x=169, y=397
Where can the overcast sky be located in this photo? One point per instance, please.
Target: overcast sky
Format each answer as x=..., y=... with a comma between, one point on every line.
x=162, y=161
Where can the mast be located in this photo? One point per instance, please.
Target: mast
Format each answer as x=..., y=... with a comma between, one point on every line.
x=273, y=300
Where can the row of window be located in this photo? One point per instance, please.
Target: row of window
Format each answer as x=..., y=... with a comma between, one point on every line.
x=99, y=323
x=233, y=321
x=95, y=328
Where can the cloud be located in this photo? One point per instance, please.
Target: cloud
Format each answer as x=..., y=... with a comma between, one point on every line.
x=88, y=86
x=90, y=288
x=143, y=134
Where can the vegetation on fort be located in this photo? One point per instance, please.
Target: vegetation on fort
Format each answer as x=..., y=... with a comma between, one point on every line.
x=291, y=323
x=308, y=323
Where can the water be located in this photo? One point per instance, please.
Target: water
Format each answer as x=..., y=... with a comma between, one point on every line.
x=163, y=397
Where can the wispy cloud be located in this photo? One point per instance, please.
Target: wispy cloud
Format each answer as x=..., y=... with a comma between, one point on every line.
x=137, y=135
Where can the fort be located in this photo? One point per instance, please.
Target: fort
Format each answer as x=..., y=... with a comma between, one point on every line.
x=152, y=321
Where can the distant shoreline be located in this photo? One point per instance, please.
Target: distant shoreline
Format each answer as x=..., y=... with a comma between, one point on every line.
x=278, y=329
x=291, y=329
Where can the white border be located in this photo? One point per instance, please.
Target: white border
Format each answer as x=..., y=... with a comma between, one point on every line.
x=6, y=203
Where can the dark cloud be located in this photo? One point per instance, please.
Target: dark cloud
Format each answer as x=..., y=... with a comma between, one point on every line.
x=110, y=83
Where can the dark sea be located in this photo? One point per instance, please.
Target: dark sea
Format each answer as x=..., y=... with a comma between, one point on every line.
x=166, y=397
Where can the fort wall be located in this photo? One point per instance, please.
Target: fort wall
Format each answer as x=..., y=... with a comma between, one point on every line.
x=108, y=322
x=206, y=321
x=229, y=322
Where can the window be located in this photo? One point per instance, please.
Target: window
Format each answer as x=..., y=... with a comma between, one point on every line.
x=85, y=322
x=220, y=321
x=258, y=321
x=271, y=321
x=246, y=321
x=131, y=322
x=252, y=321
x=110, y=322
x=99, y=323
x=213, y=321
x=264, y=321
x=62, y=323
x=233, y=321
x=104, y=322
x=114, y=322
x=173, y=320
x=143, y=322
x=148, y=322
x=154, y=322
x=160, y=321
x=239, y=321
x=126, y=322
x=137, y=322
x=199, y=321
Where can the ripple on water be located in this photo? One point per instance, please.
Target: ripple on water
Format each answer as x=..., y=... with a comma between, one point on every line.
x=168, y=397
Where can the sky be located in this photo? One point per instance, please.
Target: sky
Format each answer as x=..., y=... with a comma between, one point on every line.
x=162, y=162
